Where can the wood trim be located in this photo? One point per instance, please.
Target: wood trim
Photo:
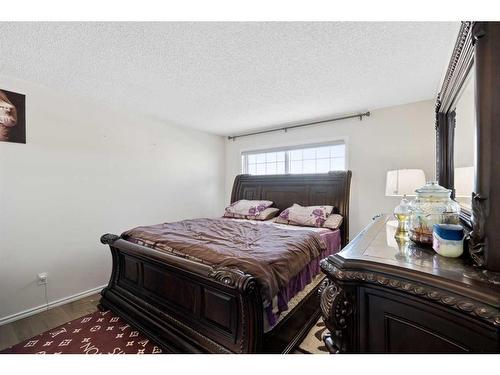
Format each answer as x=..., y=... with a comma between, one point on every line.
x=460, y=65
x=445, y=131
x=485, y=236
x=62, y=301
x=487, y=313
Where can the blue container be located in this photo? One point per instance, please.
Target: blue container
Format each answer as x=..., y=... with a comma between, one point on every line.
x=448, y=240
x=452, y=232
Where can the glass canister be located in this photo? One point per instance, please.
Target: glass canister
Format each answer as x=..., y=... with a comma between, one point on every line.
x=432, y=205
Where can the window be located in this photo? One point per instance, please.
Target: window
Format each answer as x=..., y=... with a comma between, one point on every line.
x=300, y=159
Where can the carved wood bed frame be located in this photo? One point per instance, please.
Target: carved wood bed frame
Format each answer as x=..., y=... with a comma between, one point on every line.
x=189, y=307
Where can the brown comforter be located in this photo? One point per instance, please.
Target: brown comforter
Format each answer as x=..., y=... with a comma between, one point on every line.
x=272, y=255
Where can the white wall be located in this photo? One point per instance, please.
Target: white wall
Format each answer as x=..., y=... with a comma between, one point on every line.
x=87, y=170
x=84, y=171
x=391, y=138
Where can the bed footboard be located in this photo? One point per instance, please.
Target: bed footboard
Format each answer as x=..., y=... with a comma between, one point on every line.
x=185, y=306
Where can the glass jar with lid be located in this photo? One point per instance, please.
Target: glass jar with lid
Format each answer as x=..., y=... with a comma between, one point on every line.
x=432, y=205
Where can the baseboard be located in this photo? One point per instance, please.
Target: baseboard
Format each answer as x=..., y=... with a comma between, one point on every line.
x=59, y=302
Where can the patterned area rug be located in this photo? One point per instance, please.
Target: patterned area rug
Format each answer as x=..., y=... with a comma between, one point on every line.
x=96, y=333
x=313, y=342
x=107, y=333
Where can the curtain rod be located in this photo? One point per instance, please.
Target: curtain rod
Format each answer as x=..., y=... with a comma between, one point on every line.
x=285, y=129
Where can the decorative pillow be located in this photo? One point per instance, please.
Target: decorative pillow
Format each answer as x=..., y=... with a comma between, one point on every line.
x=280, y=220
x=333, y=221
x=248, y=207
x=283, y=217
x=312, y=216
x=267, y=214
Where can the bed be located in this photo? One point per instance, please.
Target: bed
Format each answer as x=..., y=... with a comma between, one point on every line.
x=188, y=306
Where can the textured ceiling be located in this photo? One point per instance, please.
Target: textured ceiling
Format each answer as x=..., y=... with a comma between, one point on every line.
x=227, y=78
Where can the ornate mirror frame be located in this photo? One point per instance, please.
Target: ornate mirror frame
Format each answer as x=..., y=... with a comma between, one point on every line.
x=477, y=48
x=460, y=66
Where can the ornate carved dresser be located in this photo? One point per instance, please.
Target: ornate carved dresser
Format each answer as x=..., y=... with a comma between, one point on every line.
x=388, y=296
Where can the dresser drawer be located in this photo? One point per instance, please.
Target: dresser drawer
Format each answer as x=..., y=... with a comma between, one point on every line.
x=392, y=322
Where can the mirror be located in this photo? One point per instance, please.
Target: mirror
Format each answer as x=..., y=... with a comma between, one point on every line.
x=456, y=124
x=464, y=143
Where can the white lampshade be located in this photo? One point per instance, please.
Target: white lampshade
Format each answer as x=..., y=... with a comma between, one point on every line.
x=464, y=182
x=404, y=182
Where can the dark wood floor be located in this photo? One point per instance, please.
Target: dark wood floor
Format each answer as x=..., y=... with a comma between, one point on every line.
x=20, y=330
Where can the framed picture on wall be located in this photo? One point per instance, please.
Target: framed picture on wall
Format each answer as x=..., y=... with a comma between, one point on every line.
x=12, y=117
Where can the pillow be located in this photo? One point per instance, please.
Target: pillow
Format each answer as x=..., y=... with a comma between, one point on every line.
x=311, y=216
x=267, y=214
x=333, y=221
x=280, y=220
x=283, y=217
x=248, y=207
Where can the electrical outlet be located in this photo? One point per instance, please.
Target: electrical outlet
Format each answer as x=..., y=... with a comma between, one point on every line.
x=42, y=278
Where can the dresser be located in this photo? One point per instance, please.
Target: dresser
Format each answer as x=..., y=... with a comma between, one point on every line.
x=388, y=295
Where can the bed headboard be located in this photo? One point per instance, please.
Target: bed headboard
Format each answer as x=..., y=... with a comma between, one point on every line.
x=332, y=188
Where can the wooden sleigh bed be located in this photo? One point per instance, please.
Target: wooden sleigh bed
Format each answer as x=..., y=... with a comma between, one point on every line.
x=190, y=307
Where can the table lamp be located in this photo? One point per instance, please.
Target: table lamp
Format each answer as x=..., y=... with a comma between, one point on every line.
x=402, y=183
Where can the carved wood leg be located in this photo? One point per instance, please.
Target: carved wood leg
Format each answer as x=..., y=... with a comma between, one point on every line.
x=336, y=309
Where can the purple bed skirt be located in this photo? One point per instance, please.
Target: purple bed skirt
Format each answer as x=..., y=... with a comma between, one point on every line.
x=304, y=277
